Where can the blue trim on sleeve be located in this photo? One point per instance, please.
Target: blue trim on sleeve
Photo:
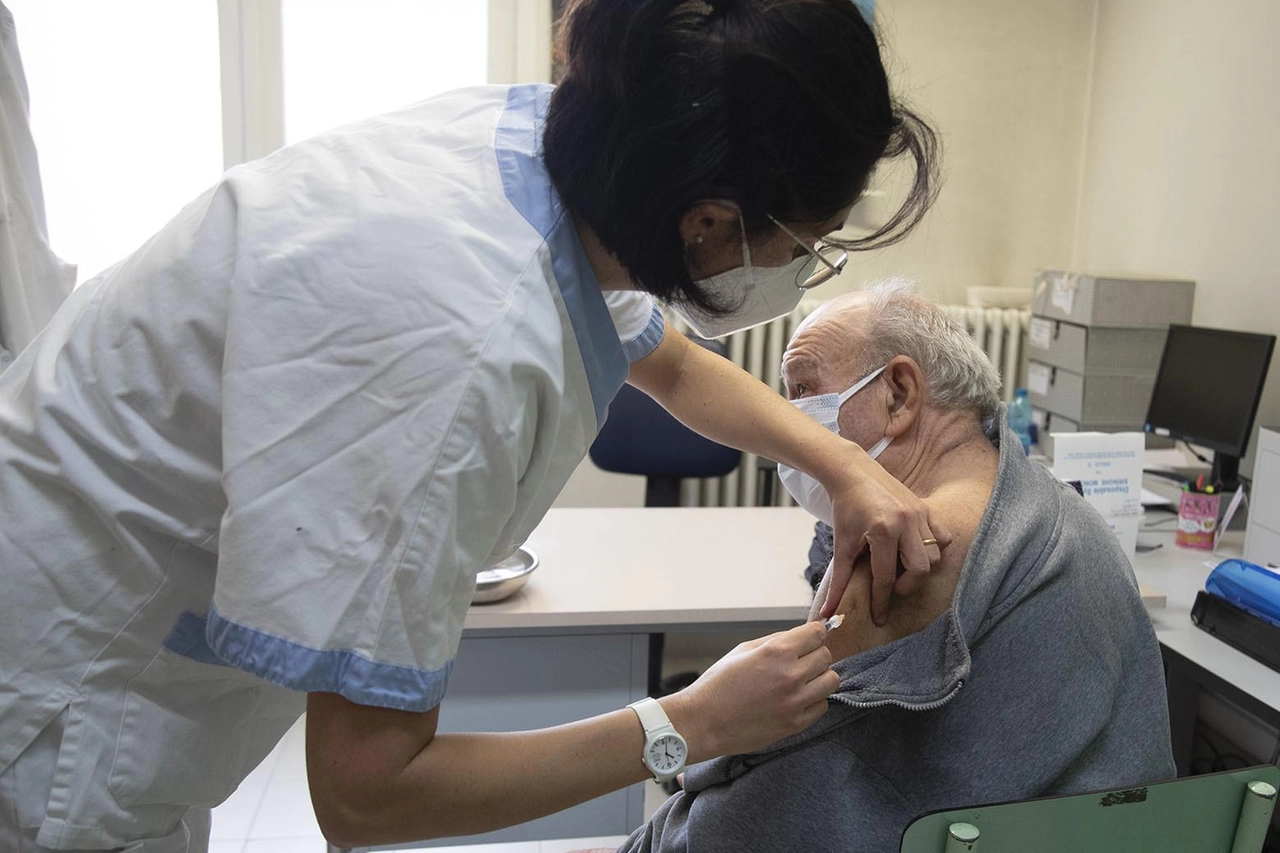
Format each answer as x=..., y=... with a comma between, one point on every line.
x=528, y=187
x=648, y=340
x=187, y=639
x=299, y=667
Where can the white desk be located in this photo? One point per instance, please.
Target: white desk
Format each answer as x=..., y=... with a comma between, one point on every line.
x=628, y=569
x=1194, y=659
x=574, y=641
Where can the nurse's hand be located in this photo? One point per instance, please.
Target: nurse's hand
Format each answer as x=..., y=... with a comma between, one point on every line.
x=760, y=692
x=872, y=509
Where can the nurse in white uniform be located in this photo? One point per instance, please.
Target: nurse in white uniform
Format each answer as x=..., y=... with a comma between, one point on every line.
x=253, y=468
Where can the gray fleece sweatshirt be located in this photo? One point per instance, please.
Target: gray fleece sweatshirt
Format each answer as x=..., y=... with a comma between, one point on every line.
x=1043, y=678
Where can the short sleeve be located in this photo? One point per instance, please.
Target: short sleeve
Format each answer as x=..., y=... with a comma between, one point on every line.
x=371, y=460
x=638, y=321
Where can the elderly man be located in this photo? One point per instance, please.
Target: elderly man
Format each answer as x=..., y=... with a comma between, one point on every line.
x=1024, y=665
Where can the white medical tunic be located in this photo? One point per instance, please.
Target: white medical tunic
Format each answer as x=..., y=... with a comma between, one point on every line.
x=268, y=453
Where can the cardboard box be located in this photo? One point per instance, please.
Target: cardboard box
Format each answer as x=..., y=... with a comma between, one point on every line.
x=1112, y=301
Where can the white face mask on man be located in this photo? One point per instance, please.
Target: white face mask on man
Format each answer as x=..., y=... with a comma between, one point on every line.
x=766, y=293
x=825, y=409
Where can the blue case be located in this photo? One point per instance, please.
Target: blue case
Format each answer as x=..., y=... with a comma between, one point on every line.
x=1249, y=587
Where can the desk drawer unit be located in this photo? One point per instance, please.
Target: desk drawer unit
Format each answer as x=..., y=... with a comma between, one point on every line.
x=1095, y=351
x=1093, y=402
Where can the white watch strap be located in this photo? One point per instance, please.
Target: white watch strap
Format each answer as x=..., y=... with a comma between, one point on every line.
x=651, y=715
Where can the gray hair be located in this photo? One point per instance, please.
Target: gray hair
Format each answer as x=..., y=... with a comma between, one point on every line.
x=901, y=321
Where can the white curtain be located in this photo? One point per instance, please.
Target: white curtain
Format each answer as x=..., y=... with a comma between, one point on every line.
x=33, y=280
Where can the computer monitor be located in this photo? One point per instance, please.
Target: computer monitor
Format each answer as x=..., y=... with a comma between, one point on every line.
x=1207, y=392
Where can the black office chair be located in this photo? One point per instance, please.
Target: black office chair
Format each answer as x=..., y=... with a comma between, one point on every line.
x=641, y=437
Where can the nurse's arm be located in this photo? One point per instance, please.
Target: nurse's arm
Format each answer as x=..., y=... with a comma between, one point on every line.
x=717, y=399
x=381, y=776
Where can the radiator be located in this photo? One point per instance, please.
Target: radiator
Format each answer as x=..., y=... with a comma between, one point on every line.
x=1001, y=332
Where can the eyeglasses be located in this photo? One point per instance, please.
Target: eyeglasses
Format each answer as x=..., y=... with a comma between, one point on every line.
x=831, y=257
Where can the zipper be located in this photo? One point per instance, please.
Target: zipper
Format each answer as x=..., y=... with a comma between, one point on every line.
x=880, y=703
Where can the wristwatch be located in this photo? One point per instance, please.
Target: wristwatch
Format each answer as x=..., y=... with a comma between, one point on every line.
x=665, y=750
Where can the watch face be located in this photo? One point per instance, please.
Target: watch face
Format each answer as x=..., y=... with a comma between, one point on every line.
x=667, y=754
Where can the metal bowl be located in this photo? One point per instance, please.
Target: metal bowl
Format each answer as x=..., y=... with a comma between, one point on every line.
x=504, y=579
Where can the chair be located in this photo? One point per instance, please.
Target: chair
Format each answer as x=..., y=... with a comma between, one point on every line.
x=1213, y=813
x=641, y=437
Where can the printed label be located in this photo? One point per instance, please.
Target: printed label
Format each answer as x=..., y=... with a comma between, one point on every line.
x=1039, y=378
x=1041, y=333
x=1064, y=293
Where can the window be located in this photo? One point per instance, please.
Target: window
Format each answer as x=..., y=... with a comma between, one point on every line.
x=127, y=99
x=344, y=60
x=126, y=116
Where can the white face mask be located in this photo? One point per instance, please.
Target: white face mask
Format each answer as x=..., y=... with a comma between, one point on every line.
x=766, y=293
x=825, y=409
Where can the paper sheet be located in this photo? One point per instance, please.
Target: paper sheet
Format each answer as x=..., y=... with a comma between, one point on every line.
x=1109, y=469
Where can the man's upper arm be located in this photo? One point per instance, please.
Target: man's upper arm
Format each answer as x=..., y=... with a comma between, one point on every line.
x=792, y=801
x=665, y=831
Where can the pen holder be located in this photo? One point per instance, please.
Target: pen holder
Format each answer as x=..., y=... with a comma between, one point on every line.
x=1197, y=520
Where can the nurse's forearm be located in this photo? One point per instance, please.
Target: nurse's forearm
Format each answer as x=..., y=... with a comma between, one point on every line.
x=528, y=774
x=716, y=398
x=461, y=784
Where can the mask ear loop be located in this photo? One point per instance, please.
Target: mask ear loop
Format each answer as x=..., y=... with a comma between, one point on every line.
x=879, y=447
x=860, y=384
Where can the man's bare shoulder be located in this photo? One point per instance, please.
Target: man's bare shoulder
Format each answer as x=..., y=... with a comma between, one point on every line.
x=960, y=503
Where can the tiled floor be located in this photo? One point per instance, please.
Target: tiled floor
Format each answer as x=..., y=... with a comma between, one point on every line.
x=271, y=813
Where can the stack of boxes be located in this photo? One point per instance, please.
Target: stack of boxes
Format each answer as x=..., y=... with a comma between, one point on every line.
x=1094, y=347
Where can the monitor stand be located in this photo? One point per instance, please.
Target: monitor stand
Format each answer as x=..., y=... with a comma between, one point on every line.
x=1225, y=470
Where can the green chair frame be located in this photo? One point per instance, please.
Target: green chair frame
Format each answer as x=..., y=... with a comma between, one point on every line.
x=1214, y=813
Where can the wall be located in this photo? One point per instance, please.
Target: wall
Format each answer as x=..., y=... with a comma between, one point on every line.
x=1181, y=172
x=590, y=486
x=1005, y=82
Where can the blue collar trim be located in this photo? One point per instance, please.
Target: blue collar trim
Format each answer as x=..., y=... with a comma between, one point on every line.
x=528, y=187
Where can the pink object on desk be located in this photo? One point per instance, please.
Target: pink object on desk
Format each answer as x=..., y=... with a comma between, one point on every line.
x=1197, y=520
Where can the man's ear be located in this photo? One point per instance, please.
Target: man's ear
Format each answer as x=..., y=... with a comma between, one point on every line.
x=905, y=381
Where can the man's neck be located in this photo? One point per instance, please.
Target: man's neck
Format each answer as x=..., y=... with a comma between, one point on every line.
x=950, y=447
